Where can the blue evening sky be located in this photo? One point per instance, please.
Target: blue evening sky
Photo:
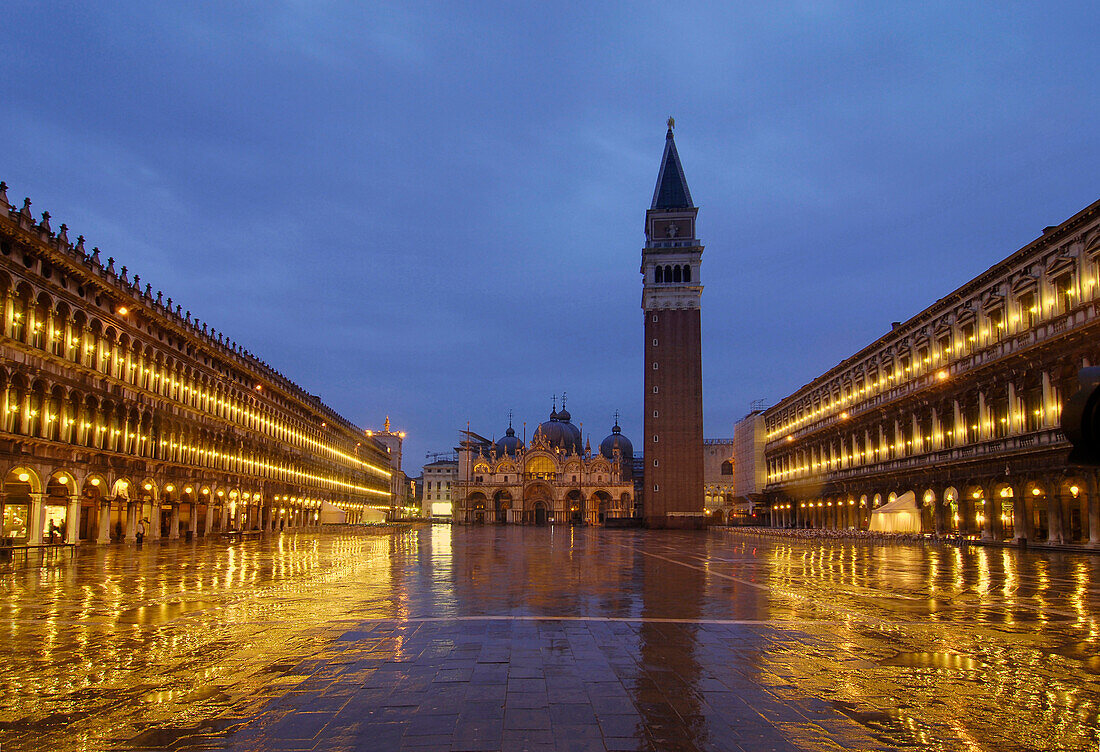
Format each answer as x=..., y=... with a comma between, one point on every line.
x=434, y=211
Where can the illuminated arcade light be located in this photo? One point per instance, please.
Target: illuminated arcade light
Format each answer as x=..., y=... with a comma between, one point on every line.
x=94, y=481
x=169, y=488
x=24, y=477
x=122, y=310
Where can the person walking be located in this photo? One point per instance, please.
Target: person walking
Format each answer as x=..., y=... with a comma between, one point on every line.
x=140, y=534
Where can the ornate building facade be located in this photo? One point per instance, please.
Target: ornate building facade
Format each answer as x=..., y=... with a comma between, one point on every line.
x=554, y=480
x=718, y=479
x=673, y=400
x=120, y=409
x=960, y=405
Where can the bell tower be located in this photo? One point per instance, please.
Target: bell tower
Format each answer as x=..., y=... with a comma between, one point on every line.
x=671, y=293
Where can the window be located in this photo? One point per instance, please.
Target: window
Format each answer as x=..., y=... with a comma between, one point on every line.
x=967, y=333
x=654, y=390
x=658, y=276
x=996, y=324
x=944, y=345
x=654, y=365
x=654, y=341
x=655, y=463
x=687, y=273
x=727, y=467
x=1063, y=291
x=1028, y=309
x=654, y=318
x=656, y=486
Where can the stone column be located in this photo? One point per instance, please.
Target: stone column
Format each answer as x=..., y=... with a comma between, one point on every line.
x=987, y=512
x=209, y=518
x=225, y=517
x=37, y=526
x=72, y=520
x=1021, y=530
x=174, y=523
x=133, y=509
x=154, y=520
x=1094, y=509
x=994, y=511
x=939, y=516
x=193, y=519
x=1055, y=516
x=104, y=529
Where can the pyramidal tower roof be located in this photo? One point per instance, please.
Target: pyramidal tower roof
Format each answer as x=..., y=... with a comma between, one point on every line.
x=672, y=188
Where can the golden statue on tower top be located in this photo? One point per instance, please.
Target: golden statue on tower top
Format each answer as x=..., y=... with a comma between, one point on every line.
x=671, y=122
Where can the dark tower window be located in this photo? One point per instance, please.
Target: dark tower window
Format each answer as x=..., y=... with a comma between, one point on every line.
x=687, y=273
x=658, y=276
x=668, y=274
x=727, y=468
x=676, y=275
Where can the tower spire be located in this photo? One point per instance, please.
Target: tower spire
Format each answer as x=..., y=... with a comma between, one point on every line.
x=672, y=189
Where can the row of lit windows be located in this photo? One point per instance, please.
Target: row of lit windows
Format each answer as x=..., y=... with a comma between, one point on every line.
x=102, y=355
x=926, y=434
x=106, y=433
x=847, y=391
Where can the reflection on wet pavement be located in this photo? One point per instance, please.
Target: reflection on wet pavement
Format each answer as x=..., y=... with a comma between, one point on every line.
x=537, y=638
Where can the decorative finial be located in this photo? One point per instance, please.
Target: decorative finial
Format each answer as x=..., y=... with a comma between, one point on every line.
x=671, y=122
x=563, y=401
x=616, y=417
x=386, y=427
x=509, y=418
x=555, y=403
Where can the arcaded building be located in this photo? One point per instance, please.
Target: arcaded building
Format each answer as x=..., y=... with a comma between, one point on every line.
x=959, y=406
x=121, y=410
x=556, y=479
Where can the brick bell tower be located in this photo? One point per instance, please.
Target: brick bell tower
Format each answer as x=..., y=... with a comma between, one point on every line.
x=671, y=295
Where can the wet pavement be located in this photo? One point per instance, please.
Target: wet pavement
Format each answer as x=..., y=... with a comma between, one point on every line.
x=506, y=638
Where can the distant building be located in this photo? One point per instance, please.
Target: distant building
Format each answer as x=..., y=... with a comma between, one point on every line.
x=439, y=481
x=393, y=441
x=718, y=475
x=748, y=457
x=555, y=479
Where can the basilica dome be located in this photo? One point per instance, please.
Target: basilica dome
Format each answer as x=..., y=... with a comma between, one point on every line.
x=509, y=444
x=561, y=433
x=617, y=441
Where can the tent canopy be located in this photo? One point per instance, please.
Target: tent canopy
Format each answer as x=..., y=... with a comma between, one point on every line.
x=902, y=515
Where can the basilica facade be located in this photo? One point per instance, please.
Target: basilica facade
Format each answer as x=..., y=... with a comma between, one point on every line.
x=555, y=479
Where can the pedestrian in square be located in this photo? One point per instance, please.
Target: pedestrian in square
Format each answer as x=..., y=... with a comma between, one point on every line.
x=140, y=531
